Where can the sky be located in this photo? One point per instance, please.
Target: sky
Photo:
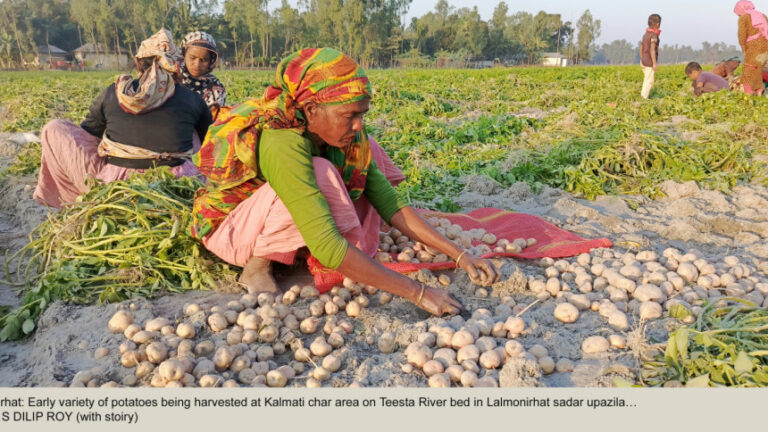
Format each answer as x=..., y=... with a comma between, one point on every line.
x=684, y=22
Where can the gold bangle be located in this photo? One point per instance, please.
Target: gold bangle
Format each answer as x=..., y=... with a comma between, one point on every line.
x=459, y=257
x=421, y=295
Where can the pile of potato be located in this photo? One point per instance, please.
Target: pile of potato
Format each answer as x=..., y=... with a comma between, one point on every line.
x=619, y=285
x=272, y=341
x=406, y=250
x=257, y=341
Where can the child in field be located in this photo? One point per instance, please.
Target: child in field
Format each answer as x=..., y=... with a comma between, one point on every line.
x=726, y=68
x=649, y=53
x=704, y=82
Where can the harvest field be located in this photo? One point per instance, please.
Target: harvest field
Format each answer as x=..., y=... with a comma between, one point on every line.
x=676, y=183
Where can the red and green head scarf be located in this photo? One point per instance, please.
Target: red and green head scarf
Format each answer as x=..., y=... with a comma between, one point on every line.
x=228, y=154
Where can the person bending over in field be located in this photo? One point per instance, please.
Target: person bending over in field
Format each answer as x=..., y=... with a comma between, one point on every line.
x=726, y=68
x=200, y=58
x=753, y=38
x=704, y=82
x=133, y=125
x=296, y=168
x=649, y=54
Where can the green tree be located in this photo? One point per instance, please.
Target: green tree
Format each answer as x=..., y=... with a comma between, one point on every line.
x=588, y=32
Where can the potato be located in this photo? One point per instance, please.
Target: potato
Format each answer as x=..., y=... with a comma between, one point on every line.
x=157, y=352
x=385, y=298
x=230, y=383
x=490, y=359
x=386, y=343
x=157, y=381
x=446, y=356
x=650, y=310
x=538, y=351
x=594, y=345
x=353, y=309
x=155, y=325
x=419, y=356
x=617, y=341
x=468, y=378
x=427, y=339
x=320, y=347
x=217, y=322
x=203, y=348
x=439, y=381
x=171, y=370
x=433, y=367
x=321, y=373
x=514, y=325
x=688, y=271
x=618, y=320
x=276, y=379
x=461, y=339
x=547, y=365
x=564, y=365
x=143, y=337
x=514, y=348
x=566, y=313
x=335, y=340
x=223, y=358
x=129, y=359
x=313, y=383
x=485, y=343
x=120, y=321
x=331, y=363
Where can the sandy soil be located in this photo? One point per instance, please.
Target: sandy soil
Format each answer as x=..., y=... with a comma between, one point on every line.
x=689, y=218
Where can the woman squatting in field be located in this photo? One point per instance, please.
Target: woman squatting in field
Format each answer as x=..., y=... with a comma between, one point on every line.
x=753, y=37
x=296, y=168
x=133, y=125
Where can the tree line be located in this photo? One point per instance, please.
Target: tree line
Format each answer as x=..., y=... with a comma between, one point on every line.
x=250, y=33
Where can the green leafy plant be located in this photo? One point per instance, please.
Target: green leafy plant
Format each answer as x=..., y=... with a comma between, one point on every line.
x=124, y=239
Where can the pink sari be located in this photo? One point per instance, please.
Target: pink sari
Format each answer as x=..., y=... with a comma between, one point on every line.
x=69, y=157
x=262, y=226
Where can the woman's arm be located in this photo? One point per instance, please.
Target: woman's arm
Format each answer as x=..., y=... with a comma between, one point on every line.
x=361, y=268
x=95, y=122
x=410, y=223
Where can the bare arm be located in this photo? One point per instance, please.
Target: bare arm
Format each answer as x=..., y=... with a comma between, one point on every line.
x=414, y=226
x=361, y=268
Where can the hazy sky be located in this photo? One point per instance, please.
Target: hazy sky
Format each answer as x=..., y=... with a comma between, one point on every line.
x=684, y=22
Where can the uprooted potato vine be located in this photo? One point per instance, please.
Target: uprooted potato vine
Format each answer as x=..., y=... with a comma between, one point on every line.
x=726, y=346
x=124, y=239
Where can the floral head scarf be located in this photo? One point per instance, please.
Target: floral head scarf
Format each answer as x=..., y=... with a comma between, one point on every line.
x=228, y=155
x=157, y=83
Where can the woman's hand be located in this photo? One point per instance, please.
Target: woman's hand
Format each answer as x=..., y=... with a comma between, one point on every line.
x=480, y=271
x=438, y=302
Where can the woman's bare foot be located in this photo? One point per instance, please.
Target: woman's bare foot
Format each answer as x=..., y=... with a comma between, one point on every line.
x=257, y=277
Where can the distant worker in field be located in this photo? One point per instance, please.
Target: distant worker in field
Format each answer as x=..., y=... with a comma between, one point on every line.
x=727, y=68
x=295, y=170
x=704, y=82
x=133, y=125
x=753, y=38
x=200, y=59
x=649, y=54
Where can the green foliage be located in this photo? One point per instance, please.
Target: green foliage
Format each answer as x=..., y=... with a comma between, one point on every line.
x=125, y=239
x=588, y=131
x=727, y=346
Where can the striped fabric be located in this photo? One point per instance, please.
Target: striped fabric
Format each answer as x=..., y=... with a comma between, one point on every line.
x=228, y=155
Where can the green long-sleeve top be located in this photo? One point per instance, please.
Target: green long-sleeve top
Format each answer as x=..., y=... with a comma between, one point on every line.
x=285, y=161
